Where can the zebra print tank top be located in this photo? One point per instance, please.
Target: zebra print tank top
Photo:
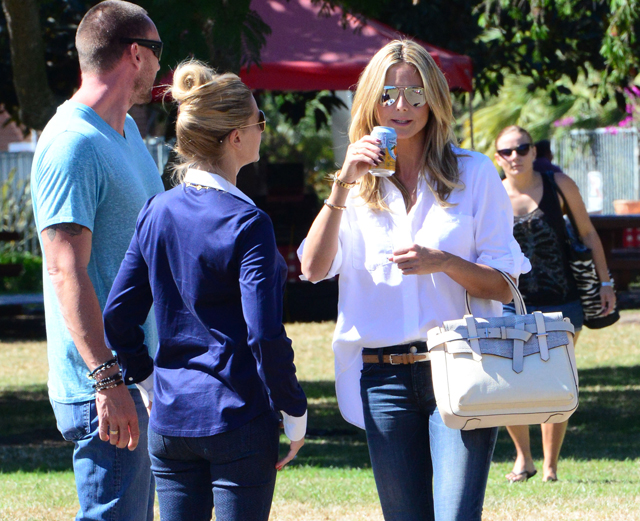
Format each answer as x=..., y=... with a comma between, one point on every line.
x=540, y=234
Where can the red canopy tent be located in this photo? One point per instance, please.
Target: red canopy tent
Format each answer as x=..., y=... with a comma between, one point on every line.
x=307, y=50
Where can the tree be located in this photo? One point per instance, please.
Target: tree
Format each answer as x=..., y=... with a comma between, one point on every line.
x=43, y=63
x=542, y=40
x=36, y=46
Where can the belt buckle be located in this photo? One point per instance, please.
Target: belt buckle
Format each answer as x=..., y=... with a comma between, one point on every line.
x=391, y=362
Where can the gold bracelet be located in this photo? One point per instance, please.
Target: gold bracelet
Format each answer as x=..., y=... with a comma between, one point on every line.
x=334, y=206
x=341, y=183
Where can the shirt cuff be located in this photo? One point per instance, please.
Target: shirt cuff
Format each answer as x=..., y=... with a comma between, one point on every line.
x=295, y=427
x=335, y=264
x=146, y=390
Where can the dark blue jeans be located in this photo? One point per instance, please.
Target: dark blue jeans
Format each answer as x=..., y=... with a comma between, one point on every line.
x=424, y=471
x=234, y=470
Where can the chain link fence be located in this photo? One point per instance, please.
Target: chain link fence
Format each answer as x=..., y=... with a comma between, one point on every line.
x=15, y=193
x=603, y=163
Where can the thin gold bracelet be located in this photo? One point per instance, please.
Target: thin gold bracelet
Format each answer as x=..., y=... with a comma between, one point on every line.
x=334, y=206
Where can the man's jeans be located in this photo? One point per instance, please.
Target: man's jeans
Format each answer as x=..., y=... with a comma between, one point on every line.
x=113, y=484
x=423, y=469
x=236, y=470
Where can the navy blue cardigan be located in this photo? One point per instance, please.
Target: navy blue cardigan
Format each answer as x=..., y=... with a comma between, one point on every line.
x=208, y=262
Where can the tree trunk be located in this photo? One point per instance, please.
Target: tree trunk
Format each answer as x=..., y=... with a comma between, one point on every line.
x=37, y=102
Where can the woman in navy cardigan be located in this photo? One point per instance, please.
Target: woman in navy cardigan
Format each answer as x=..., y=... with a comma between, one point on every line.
x=206, y=258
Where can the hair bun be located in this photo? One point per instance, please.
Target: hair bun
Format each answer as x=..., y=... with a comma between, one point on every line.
x=188, y=77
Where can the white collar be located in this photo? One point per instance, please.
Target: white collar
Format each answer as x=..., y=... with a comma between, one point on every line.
x=200, y=177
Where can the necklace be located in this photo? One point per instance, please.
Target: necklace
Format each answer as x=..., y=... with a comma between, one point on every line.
x=199, y=187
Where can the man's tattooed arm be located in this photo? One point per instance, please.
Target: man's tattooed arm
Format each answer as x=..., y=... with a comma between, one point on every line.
x=72, y=229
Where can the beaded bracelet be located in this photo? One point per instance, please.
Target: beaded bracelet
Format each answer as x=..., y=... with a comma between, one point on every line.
x=109, y=382
x=334, y=206
x=102, y=368
x=99, y=388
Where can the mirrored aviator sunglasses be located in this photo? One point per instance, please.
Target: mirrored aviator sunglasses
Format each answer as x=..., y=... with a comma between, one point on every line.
x=521, y=150
x=414, y=95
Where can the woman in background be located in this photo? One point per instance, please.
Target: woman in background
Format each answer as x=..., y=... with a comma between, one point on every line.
x=540, y=230
x=206, y=258
x=406, y=248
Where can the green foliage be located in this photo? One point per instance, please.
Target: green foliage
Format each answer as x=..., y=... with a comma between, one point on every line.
x=16, y=210
x=225, y=33
x=576, y=105
x=543, y=41
x=294, y=134
x=30, y=281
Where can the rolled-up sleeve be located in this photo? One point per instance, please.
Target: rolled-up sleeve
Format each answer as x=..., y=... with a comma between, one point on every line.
x=335, y=265
x=493, y=224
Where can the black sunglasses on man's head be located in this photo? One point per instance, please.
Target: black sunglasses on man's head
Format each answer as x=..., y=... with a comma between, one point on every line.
x=521, y=150
x=154, y=45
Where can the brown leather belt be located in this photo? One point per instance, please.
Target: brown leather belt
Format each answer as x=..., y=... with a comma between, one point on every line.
x=399, y=359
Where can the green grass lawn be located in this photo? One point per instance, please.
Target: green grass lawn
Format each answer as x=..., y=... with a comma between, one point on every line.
x=331, y=479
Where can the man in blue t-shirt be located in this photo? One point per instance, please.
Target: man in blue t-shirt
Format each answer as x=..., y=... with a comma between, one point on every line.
x=91, y=175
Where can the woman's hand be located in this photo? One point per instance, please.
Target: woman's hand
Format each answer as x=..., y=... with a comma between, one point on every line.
x=608, y=299
x=418, y=260
x=293, y=450
x=361, y=156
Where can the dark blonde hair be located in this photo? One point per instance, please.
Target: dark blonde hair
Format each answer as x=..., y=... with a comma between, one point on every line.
x=438, y=158
x=210, y=106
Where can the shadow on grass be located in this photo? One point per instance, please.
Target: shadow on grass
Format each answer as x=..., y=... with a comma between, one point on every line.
x=29, y=439
x=606, y=426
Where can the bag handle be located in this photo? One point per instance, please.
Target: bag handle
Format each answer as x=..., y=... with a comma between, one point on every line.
x=521, y=308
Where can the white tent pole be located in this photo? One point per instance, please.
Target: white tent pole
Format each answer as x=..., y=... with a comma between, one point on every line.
x=473, y=146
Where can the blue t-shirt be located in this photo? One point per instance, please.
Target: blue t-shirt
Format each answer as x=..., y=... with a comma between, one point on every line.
x=85, y=172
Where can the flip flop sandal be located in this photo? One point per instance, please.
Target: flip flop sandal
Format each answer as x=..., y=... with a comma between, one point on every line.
x=520, y=477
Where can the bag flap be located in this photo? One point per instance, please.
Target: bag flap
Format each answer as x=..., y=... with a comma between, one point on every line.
x=502, y=328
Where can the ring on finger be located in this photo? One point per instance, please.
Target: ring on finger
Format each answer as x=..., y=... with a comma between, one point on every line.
x=113, y=433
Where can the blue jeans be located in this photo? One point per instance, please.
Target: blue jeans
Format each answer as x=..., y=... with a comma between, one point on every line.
x=424, y=471
x=234, y=470
x=113, y=484
x=571, y=310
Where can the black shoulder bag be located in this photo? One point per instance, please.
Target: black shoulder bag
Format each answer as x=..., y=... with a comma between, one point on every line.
x=584, y=271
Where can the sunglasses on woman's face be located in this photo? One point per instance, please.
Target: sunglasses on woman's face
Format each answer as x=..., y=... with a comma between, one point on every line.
x=521, y=150
x=414, y=95
x=262, y=121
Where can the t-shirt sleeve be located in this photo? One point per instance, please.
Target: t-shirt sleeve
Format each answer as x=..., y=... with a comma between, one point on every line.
x=67, y=182
x=493, y=223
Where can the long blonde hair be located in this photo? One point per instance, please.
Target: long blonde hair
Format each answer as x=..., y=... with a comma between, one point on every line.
x=438, y=158
x=210, y=106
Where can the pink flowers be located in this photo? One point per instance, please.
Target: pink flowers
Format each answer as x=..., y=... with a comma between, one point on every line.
x=564, y=122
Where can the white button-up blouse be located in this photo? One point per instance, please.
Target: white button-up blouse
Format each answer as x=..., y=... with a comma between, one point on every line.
x=379, y=306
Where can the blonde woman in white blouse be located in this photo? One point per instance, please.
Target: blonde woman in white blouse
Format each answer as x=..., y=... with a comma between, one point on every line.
x=406, y=248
